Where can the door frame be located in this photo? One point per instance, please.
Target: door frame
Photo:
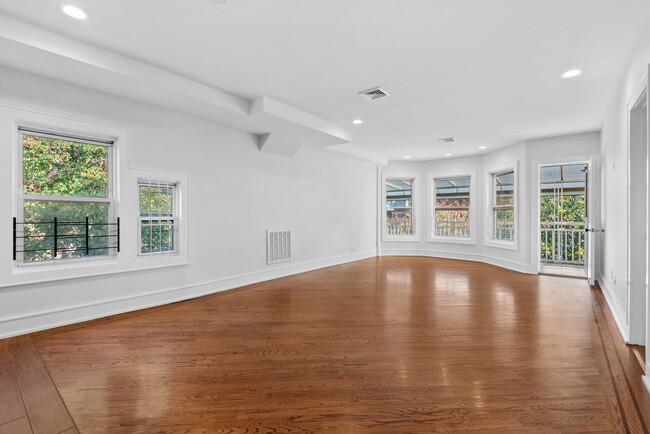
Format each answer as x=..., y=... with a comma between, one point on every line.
x=593, y=200
x=637, y=270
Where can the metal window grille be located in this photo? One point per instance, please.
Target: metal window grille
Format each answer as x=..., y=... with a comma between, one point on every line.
x=451, y=207
x=158, y=217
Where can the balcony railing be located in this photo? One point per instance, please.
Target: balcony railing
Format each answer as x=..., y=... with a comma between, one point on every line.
x=399, y=227
x=562, y=243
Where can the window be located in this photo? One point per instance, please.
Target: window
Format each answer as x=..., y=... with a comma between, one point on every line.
x=503, y=206
x=451, y=209
x=65, y=199
x=399, y=207
x=158, y=217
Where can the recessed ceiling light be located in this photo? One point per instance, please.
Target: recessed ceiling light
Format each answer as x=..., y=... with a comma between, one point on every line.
x=447, y=155
x=407, y=156
x=357, y=122
x=572, y=73
x=74, y=11
x=482, y=147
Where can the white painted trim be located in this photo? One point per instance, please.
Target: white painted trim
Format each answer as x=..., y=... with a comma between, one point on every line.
x=646, y=379
x=473, y=257
x=617, y=312
x=489, y=241
x=43, y=320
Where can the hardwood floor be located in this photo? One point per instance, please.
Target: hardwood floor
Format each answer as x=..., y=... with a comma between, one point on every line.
x=381, y=345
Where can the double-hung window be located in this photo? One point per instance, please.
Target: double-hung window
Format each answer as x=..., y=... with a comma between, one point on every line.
x=503, y=206
x=399, y=207
x=65, y=197
x=158, y=217
x=451, y=209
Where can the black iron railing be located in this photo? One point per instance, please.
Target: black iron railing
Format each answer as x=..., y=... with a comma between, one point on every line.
x=55, y=225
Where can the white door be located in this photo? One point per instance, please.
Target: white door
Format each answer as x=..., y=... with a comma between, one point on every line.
x=592, y=230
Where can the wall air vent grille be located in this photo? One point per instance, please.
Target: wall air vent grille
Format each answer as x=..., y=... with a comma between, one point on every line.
x=278, y=246
x=374, y=93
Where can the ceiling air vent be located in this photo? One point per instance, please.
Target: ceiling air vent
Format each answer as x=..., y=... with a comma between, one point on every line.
x=447, y=139
x=374, y=93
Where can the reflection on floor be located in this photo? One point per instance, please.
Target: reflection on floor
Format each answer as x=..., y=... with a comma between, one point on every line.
x=564, y=270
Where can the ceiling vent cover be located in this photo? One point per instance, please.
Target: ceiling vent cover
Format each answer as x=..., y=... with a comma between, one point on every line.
x=447, y=140
x=374, y=93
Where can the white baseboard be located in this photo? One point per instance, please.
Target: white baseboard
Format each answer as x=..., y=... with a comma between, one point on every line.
x=510, y=265
x=44, y=320
x=617, y=312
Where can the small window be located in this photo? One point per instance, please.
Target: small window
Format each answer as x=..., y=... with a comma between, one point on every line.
x=158, y=217
x=65, y=199
x=399, y=207
x=503, y=206
x=451, y=209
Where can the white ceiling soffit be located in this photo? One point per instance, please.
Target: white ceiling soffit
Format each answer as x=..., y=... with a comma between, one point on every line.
x=31, y=48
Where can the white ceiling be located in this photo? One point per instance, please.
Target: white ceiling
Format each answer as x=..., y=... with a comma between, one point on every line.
x=484, y=71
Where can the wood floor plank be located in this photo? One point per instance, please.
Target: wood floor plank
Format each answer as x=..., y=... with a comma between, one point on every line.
x=47, y=412
x=381, y=345
x=24, y=353
x=11, y=402
x=18, y=426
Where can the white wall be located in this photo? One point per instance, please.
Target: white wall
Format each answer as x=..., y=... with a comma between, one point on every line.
x=236, y=192
x=614, y=171
x=527, y=156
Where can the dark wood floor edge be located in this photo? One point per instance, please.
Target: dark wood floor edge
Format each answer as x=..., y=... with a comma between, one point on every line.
x=599, y=298
x=621, y=409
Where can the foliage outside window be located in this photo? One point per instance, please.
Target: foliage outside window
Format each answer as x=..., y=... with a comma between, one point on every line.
x=563, y=214
x=68, y=179
x=399, y=207
x=157, y=217
x=451, y=213
x=503, y=206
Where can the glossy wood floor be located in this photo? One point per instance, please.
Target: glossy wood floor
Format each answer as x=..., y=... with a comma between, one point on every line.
x=382, y=345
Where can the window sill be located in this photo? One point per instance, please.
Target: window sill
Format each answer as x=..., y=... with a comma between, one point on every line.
x=452, y=240
x=400, y=238
x=500, y=244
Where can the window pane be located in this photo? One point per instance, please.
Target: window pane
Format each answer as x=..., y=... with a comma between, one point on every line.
x=156, y=201
x=452, y=223
x=399, y=222
x=399, y=193
x=71, y=230
x=157, y=236
x=452, y=192
x=504, y=188
x=503, y=224
x=58, y=167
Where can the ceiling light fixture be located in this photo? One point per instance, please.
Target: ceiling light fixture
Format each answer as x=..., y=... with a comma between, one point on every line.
x=572, y=73
x=447, y=155
x=407, y=156
x=74, y=11
x=357, y=122
x=482, y=147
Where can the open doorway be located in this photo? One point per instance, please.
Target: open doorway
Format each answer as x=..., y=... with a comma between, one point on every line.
x=563, y=219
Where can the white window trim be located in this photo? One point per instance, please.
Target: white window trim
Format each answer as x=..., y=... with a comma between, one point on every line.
x=175, y=211
x=489, y=241
x=414, y=207
x=126, y=203
x=41, y=130
x=472, y=208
